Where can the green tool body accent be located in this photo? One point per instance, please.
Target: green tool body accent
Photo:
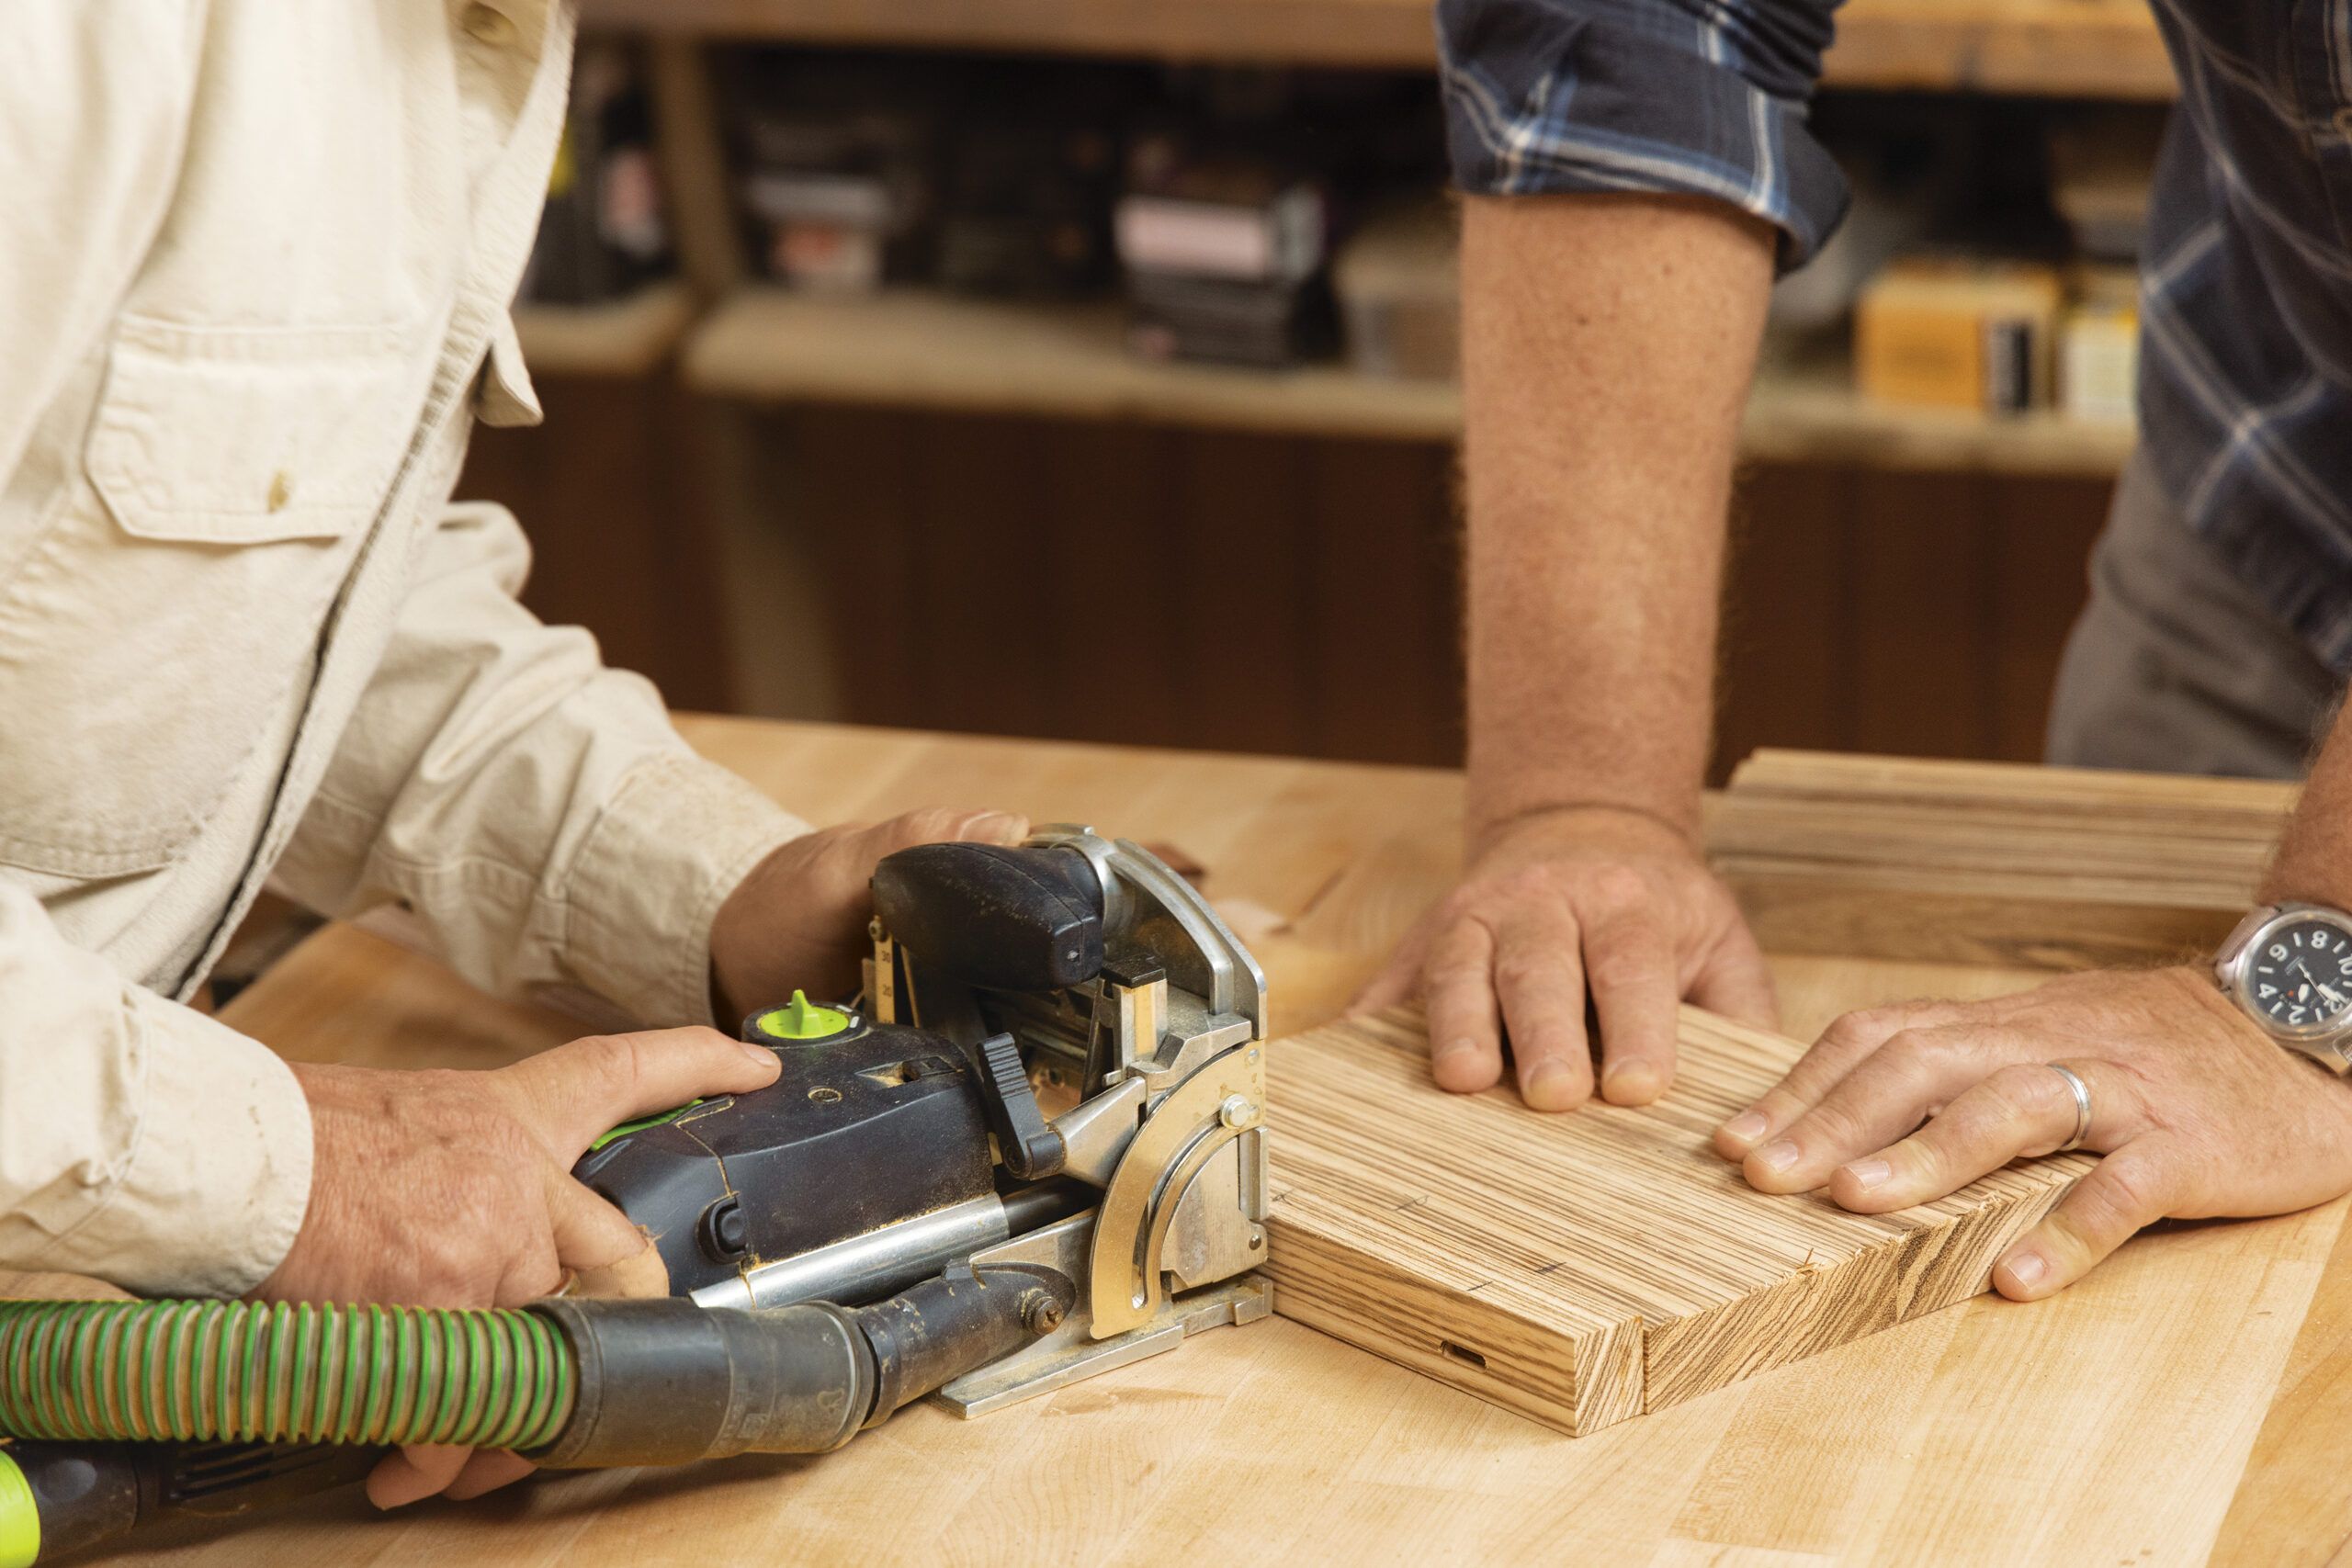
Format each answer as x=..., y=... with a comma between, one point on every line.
x=642, y=1123
x=19, y=1519
x=798, y=1019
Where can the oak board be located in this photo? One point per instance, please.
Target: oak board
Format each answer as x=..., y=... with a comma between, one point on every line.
x=1581, y=1269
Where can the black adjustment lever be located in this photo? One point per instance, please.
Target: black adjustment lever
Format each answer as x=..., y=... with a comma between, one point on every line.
x=1031, y=1149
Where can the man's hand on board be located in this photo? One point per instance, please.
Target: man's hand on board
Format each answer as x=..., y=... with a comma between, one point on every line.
x=2198, y=1112
x=1558, y=905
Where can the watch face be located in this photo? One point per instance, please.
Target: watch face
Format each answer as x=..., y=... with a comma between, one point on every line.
x=2298, y=974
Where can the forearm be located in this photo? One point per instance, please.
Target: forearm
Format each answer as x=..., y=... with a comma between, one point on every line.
x=1608, y=343
x=2315, y=858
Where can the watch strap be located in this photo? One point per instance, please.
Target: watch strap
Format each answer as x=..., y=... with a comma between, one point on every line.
x=2233, y=945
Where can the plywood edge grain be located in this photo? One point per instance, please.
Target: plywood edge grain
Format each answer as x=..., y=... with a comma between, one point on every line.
x=1838, y=776
x=1582, y=1268
x=1939, y=1259
x=1484, y=1348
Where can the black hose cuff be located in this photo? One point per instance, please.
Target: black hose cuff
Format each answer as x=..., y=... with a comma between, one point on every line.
x=665, y=1382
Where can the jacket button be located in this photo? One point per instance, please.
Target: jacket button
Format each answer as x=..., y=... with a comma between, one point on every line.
x=487, y=24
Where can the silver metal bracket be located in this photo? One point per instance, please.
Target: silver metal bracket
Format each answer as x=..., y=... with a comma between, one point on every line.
x=1070, y=1353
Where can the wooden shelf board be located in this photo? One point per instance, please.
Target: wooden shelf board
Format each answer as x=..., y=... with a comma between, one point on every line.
x=625, y=337
x=922, y=350
x=2091, y=48
x=2060, y=48
x=1071, y=361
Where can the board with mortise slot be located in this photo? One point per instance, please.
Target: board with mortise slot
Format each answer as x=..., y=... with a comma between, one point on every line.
x=1585, y=1267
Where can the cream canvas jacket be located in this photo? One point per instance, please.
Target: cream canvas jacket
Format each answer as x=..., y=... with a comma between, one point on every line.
x=256, y=258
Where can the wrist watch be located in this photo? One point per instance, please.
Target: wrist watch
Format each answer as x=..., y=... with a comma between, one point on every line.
x=2289, y=967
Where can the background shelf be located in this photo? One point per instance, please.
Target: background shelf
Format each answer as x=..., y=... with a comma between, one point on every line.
x=916, y=349
x=622, y=337
x=2055, y=48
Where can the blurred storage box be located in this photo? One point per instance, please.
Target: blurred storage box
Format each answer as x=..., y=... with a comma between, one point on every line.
x=1225, y=254
x=2102, y=166
x=2099, y=348
x=1400, y=284
x=602, y=233
x=1024, y=208
x=836, y=178
x=1958, y=334
x=829, y=230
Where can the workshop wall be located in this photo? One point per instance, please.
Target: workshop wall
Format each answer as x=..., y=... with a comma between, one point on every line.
x=614, y=490
x=1126, y=582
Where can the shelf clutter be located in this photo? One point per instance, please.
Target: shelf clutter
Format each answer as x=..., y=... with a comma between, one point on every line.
x=1265, y=289
x=1984, y=863
x=1106, y=240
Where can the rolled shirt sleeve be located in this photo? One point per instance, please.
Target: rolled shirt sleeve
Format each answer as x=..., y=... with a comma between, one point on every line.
x=1696, y=97
x=140, y=1141
x=534, y=808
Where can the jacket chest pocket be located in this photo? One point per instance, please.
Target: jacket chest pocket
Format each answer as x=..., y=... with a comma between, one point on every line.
x=151, y=636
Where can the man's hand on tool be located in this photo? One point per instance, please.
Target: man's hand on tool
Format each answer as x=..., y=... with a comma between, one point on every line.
x=2198, y=1114
x=1558, y=903
x=798, y=920
x=453, y=1189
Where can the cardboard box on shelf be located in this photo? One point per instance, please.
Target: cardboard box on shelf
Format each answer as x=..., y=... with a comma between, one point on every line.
x=2099, y=348
x=1958, y=334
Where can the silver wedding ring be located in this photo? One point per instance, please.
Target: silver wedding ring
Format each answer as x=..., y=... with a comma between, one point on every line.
x=2082, y=1093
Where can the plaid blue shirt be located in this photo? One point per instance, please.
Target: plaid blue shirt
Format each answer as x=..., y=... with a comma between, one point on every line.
x=2245, y=366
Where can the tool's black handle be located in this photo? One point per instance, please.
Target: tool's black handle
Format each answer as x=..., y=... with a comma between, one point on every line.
x=1005, y=920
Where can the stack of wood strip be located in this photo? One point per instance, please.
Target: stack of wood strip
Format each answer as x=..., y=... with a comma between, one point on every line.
x=1989, y=862
x=1583, y=1269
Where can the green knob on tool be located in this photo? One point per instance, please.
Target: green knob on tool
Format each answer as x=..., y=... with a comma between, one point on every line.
x=801, y=1019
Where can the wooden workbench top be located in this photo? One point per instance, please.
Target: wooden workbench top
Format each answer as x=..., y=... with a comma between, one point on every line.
x=2189, y=1403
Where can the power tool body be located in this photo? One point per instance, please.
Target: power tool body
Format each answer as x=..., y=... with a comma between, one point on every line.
x=909, y=1131
x=1030, y=1150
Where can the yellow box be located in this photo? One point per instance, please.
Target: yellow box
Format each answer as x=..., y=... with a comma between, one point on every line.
x=1958, y=334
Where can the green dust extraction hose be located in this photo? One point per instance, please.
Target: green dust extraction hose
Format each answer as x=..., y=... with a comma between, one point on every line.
x=199, y=1370
x=113, y=1413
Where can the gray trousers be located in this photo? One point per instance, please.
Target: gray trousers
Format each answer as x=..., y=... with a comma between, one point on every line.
x=2175, y=667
